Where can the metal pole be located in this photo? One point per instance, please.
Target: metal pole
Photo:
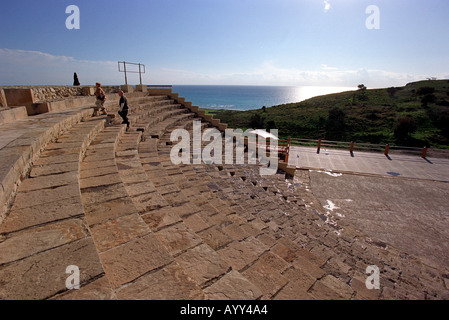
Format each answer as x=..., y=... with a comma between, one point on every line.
x=126, y=78
x=140, y=75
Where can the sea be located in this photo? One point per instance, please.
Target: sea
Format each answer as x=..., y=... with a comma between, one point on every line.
x=243, y=98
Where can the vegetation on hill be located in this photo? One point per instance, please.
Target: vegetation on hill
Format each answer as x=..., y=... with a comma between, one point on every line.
x=414, y=115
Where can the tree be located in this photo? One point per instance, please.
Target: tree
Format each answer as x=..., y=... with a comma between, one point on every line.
x=362, y=93
x=256, y=121
x=336, y=124
x=361, y=87
x=271, y=125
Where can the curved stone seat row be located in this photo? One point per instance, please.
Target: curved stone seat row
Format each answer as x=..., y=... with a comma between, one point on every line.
x=113, y=204
x=307, y=255
x=127, y=247
x=22, y=141
x=46, y=230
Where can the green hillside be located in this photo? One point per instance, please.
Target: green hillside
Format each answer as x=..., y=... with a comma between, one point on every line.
x=414, y=115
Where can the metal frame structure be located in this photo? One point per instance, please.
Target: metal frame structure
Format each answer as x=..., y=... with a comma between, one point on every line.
x=124, y=64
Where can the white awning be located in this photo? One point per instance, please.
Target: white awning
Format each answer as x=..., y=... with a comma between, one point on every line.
x=264, y=134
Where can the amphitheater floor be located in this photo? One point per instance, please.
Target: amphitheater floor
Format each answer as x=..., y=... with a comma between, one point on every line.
x=400, y=201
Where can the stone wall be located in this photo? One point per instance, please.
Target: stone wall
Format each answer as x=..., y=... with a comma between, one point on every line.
x=55, y=93
x=50, y=93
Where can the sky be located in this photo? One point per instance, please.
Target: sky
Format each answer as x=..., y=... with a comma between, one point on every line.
x=225, y=42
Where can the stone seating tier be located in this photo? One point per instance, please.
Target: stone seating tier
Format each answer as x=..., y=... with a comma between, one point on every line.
x=111, y=202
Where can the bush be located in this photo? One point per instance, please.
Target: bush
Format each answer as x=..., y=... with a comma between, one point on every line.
x=336, y=124
x=256, y=121
x=428, y=98
x=425, y=90
x=404, y=128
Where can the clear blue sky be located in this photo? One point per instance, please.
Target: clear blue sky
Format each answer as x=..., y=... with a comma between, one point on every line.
x=258, y=42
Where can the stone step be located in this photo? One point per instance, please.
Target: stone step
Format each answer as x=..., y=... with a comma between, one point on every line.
x=273, y=265
x=21, y=144
x=129, y=250
x=45, y=232
x=139, y=227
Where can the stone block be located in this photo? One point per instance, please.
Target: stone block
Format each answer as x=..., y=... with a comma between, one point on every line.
x=43, y=196
x=169, y=283
x=127, y=88
x=178, y=238
x=3, y=102
x=25, y=243
x=266, y=278
x=215, y=237
x=118, y=231
x=149, y=201
x=126, y=263
x=141, y=88
x=243, y=253
x=99, y=289
x=51, y=181
x=44, y=275
x=104, y=180
x=97, y=213
x=233, y=286
x=202, y=264
x=21, y=217
x=330, y=288
x=161, y=218
x=13, y=114
x=88, y=91
x=103, y=193
x=19, y=97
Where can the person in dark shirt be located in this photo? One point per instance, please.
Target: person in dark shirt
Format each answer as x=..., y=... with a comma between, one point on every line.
x=123, y=108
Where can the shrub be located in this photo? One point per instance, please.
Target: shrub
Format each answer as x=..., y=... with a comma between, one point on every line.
x=404, y=128
x=425, y=90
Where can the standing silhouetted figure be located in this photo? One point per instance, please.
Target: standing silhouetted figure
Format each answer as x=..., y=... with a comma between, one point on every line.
x=76, y=82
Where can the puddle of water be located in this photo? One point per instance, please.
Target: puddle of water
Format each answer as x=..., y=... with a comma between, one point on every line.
x=394, y=174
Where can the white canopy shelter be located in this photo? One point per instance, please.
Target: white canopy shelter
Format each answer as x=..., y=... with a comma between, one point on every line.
x=264, y=134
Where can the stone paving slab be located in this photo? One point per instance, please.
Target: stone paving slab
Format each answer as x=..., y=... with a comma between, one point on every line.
x=396, y=165
x=411, y=215
x=169, y=283
x=125, y=263
x=47, y=271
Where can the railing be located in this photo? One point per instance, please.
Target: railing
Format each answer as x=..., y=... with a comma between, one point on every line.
x=364, y=147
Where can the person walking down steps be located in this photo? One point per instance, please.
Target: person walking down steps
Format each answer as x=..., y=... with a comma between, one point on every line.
x=123, y=111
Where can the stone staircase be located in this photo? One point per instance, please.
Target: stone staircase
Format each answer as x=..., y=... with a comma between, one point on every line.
x=85, y=192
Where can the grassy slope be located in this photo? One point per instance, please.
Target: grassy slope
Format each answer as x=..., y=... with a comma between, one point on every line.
x=363, y=116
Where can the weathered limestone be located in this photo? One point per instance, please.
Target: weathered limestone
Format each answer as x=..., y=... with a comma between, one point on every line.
x=139, y=227
x=43, y=275
x=127, y=88
x=13, y=114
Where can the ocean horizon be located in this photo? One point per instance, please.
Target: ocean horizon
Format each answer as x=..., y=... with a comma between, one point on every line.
x=233, y=97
